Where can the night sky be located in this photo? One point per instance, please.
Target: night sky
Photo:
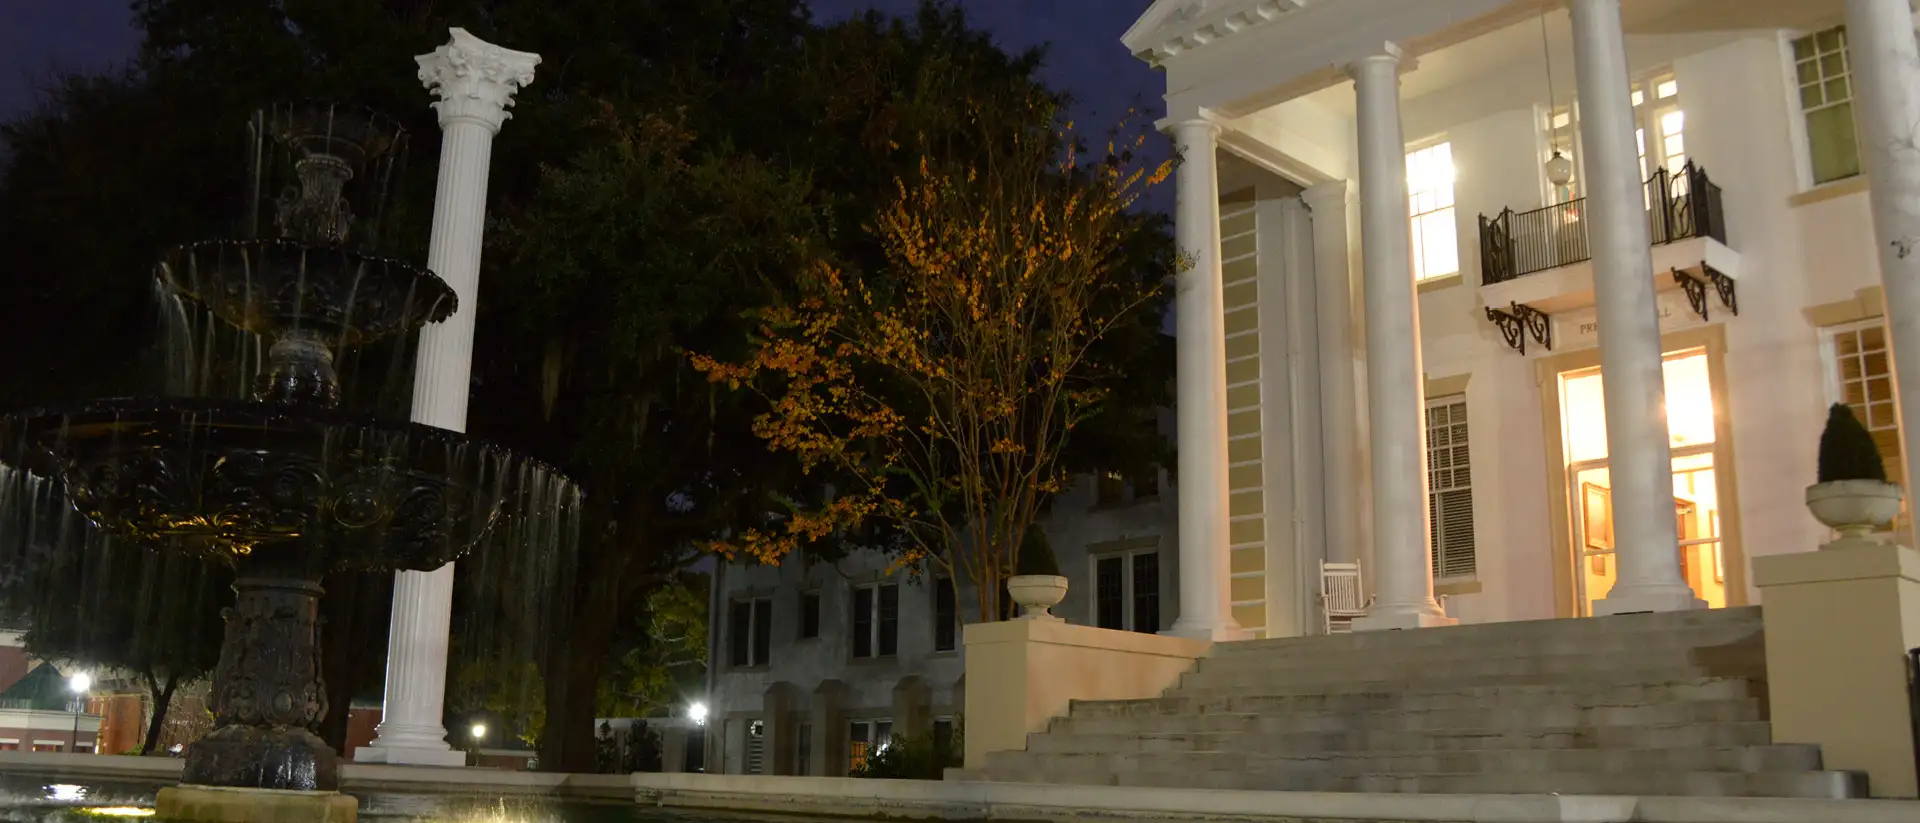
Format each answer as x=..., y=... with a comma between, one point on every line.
x=1086, y=58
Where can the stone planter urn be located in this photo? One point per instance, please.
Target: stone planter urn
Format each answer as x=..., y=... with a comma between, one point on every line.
x=1036, y=593
x=1854, y=508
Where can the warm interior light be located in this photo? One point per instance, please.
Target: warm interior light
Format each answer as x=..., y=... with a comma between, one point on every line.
x=120, y=811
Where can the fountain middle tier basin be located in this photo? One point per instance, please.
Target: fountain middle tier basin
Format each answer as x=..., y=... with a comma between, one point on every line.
x=224, y=479
x=274, y=286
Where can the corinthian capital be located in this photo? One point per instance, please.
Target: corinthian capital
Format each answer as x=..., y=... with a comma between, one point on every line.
x=475, y=79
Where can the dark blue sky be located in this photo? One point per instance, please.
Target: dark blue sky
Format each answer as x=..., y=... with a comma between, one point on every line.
x=1086, y=59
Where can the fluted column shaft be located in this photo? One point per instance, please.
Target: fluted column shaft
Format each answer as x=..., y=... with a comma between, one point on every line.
x=1396, y=384
x=1330, y=204
x=1633, y=385
x=475, y=81
x=1201, y=387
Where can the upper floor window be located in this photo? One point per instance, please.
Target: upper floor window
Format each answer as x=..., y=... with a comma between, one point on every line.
x=750, y=632
x=809, y=615
x=1450, y=488
x=876, y=620
x=1436, y=242
x=946, y=616
x=1561, y=137
x=1860, y=374
x=1126, y=591
x=1825, y=79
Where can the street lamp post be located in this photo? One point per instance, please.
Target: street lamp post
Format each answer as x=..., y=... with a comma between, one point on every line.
x=79, y=684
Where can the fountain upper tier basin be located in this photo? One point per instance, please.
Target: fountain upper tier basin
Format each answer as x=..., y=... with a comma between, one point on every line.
x=274, y=286
x=229, y=479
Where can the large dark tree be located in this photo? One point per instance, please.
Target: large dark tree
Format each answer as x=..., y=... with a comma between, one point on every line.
x=656, y=180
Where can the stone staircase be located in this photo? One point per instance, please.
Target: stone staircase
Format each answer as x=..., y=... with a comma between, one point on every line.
x=1655, y=704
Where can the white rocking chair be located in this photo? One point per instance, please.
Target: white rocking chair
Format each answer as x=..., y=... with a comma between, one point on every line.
x=1341, y=596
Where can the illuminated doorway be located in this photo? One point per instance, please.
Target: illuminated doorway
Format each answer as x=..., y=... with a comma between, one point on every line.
x=1690, y=431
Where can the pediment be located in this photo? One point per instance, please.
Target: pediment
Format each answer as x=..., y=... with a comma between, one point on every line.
x=1170, y=27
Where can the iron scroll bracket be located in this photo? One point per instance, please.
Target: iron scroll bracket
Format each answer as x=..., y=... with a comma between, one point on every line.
x=1519, y=322
x=1696, y=289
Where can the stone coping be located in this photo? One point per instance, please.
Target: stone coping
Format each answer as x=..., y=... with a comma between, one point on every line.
x=904, y=799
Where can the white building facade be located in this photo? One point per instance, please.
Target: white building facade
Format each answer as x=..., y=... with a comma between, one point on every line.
x=814, y=664
x=1534, y=309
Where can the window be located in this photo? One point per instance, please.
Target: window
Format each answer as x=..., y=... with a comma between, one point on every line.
x=943, y=736
x=1436, y=243
x=1449, y=488
x=1824, y=77
x=876, y=620
x=1146, y=484
x=1656, y=111
x=809, y=615
x=867, y=737
x=946, y=616
x=750, y=632
x=1111, y=489
x=803, y=750
x=1861, y=376
x=9, y=745
x=1126, y=591
x=756, y=747
x=1561, y=136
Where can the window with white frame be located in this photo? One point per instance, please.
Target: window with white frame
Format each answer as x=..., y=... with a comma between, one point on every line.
x=1561, y=137
x=750, y=632
x=1657, y=112
x=1823, y=76
x=866, y=738
x=876, y=620
x=1126, y=591
x=1860, y=374
x=1436, y=240
x=1450, y=487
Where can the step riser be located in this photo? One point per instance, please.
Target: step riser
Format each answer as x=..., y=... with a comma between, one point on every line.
x=1426, y=695
x=1749, y=759
x=1548, y=645
x=1653, y=737
x=1654, y=666
x=1831, y=785
x=1672, y=624
x=1252, y=720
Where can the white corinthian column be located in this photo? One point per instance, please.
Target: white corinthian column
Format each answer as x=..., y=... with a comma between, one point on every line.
x=476, y=81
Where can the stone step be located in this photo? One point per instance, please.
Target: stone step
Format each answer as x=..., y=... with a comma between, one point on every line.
x=1264, y=714
x=1655, y=664
x=1814, y=784
x=1517, y=632
x=1323, y=650
x=1690, y=735
x=1767, y=758
x=1511, y=691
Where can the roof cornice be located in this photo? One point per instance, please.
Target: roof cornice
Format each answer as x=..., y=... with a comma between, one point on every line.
x=1172, y=27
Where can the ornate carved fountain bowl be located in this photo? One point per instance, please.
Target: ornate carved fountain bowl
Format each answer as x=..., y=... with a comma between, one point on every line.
x=227, y=479
x=270, y=287
x=353, y=134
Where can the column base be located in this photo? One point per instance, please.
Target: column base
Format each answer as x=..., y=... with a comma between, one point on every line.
x=1676, y=597
x=410, y=756
x=1384, y=618
x=1218, y=632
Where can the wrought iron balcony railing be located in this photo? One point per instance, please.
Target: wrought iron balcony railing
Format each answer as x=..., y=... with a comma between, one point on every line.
x=1680, y=205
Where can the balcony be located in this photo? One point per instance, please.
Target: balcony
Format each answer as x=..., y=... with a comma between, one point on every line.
x=1536, y=274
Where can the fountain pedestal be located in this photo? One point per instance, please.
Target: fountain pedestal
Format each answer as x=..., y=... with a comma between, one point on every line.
x=267, y=695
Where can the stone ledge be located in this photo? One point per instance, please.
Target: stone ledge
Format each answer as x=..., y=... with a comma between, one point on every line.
x=843, y=797
x=210, y=804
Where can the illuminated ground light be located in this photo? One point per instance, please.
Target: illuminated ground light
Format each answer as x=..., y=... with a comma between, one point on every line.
x=120, y=811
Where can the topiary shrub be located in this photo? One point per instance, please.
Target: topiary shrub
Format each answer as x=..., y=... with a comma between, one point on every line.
x=1847, y=450
x=1036, y=555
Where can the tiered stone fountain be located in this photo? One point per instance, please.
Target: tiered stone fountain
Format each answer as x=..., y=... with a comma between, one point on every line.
x=286, y=487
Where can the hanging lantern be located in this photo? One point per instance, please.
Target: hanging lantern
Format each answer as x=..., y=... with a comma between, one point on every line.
x=1559, y=169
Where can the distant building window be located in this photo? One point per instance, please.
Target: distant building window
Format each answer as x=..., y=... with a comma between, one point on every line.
x=750, y=632
x=809, y=615
x=866, y=738
x=1450, y=488
x=1824, y=77
x=876, y=620
x=943, y=734
x=756, y=747
x=1436, y=240
x=946, y=616
x=1111, y=489
x=803, y=750
x=1126, y=591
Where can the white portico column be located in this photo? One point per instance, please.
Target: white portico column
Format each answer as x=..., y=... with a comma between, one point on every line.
x=476, y=81
x=1330, y=205
x=1641, y=462
x=1396, y=385
x=1886, y=70
x=1201, y=388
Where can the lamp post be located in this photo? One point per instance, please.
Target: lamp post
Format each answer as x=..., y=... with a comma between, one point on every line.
x=79, y=684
